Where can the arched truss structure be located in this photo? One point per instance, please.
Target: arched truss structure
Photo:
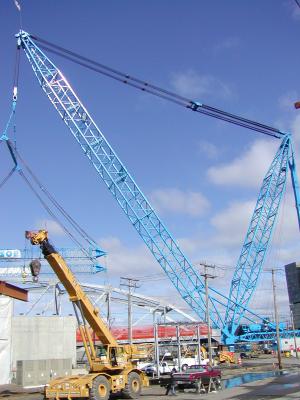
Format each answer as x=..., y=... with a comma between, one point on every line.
x=50, y=295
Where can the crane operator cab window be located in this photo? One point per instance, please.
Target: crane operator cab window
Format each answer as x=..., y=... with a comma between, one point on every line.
x=117, y=356
x=102, y=353
x=113, y=356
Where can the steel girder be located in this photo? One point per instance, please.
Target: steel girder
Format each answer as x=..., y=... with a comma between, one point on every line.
x=268, y=336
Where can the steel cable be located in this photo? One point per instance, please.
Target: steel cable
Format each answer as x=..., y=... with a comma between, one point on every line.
x=7, y=177
x=15, y=154
x=75, y=224
x=158, y=91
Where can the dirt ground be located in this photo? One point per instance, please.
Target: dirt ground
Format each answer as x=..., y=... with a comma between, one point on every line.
x=286, y=386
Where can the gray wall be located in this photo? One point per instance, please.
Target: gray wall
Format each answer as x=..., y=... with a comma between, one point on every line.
x=43, y=338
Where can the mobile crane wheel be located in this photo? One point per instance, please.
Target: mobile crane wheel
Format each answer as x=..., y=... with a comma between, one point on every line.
x=133, y=387
x=100, y=389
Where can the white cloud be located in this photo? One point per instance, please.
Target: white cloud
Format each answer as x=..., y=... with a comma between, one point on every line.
x=125, y=261
x=248, y=169
x=287, y=220
x=209, y=149
x=296, y=129
x=177, y=201
x=191, y=84
x=51, y=226
x=231, y=223
x=286, y=102
x=139, y=263
x=226, y=44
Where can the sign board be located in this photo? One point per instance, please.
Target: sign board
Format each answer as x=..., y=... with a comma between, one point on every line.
x=10, y=253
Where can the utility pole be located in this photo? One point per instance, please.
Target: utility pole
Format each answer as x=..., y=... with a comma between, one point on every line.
x=206, y=277
x=131, y=284
x=57, y=302
x=108, y=314
x=277, y=322
x=293, y=327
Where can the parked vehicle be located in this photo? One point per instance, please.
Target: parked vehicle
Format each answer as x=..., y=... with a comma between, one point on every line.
x=187, y=362
x=196, y=375
x=164, y=368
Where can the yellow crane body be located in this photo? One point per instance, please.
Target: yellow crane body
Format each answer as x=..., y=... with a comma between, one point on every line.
x=113, y=367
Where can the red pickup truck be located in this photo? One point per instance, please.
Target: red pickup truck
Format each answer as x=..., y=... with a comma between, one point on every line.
x=197, y=375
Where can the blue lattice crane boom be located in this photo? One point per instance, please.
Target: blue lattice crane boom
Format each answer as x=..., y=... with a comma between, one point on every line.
x=119, y=181
x=144, y=219
x=257, y=240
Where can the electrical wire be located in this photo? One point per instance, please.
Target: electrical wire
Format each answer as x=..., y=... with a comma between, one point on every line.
x=158, y=91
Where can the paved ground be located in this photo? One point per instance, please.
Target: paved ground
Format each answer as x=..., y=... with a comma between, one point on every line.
x=282, y=387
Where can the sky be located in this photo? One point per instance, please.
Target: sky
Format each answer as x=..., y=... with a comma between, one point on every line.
x=201, y=175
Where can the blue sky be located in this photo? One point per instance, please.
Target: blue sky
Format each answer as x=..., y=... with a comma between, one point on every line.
x=201, y=175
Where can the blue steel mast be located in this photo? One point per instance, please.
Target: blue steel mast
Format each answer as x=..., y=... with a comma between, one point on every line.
x=119, y=182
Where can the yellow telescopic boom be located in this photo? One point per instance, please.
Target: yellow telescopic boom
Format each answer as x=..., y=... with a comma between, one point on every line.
x=76, y=294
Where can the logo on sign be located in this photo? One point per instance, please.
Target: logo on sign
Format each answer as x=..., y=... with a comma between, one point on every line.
x=10, y=253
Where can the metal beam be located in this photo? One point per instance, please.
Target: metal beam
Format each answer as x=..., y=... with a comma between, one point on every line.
x=13, y=291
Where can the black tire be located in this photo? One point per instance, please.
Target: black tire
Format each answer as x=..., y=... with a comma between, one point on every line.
x=180, y=388
x=100, y=389
x=133, y=387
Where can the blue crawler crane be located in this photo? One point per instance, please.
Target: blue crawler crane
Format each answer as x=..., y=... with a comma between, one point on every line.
x=226, y=313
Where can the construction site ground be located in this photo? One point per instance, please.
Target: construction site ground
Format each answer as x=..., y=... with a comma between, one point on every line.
x=285, y=386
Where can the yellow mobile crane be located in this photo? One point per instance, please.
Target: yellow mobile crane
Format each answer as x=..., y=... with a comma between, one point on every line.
x=113, y=368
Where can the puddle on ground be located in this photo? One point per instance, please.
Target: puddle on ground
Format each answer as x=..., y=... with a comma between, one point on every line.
x=249, y=377
x=290, y=385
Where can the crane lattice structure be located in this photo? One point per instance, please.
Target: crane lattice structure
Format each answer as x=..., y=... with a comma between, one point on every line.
x=143, y=217
x=14, y=264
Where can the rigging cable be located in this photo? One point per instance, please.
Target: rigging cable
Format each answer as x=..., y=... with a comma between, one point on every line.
x=79, y=229
x=158, y=91
x=74, y=224
x=11, y=118
x=2, y=183
x=298, y=3
x=19, y=8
